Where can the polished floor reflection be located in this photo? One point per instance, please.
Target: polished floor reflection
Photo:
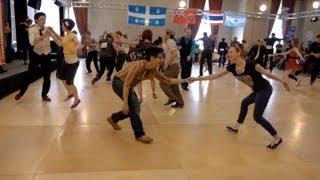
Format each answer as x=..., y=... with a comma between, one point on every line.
x=49, y=141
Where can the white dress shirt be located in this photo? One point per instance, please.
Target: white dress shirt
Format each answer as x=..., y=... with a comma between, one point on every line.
x=168, y=47
x=42, y=47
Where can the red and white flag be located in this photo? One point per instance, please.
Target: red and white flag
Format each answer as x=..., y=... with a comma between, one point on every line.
x=185, y=16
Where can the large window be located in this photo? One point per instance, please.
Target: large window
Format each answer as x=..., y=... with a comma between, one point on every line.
x=204, y=27
x=52, y=12
x=13, y=22
x=277, y=26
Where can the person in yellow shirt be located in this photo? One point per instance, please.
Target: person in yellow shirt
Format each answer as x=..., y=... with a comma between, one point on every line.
x=71, y=45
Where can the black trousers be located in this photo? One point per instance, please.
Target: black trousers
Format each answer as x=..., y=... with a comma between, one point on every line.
x=222, y=59
x=315, y=68
x=272, y=64
x=134, y=108
x=186, y=68
x=106, y=62
x=121, y=58
x=260, y=99
x=206, y=56
x=44, y=62
x=92, y=56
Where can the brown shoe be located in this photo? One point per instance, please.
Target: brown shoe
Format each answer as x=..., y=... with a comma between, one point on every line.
x=46, y=98
x=145, y=139
x=75, y=103
x=18, y=97
x=113, y=124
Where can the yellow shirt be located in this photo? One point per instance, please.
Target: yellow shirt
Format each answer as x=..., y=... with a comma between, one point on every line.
x=70, y=48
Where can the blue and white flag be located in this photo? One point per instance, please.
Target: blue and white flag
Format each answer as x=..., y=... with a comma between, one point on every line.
x=146, y=16
x=213, y=17
x=234, y=19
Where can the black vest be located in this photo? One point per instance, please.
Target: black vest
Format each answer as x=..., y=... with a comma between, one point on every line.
x=185, y=48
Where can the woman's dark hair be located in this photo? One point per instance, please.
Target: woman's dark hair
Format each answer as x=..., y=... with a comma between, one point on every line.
x=68, y=23
x=38, y=15
x=158, y=41
x=153, y=51
x=318, y=36
x=147, y=34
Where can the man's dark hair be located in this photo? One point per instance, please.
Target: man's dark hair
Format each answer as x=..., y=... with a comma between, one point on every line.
x=38, y=15
x=318, y=36
x=153, y=51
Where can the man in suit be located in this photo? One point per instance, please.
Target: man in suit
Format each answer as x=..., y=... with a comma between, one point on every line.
x=187, y=48
x=258, y=53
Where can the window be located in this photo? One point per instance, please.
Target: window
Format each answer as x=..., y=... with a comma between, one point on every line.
x=52, y=13
x=13, y=22
x=277, y=26
x=204, y=27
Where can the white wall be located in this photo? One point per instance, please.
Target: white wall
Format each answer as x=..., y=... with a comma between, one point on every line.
x=255, y=28
x=101, y=20
x=310, y=30
x=113, y=20
x=227, y=32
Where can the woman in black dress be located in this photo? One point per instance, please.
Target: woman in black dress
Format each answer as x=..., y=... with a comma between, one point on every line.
x=250, y=73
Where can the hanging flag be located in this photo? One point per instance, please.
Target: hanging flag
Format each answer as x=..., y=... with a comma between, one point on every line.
x=234, y=19
x=146, y=16
x=185, y=16
x=213, y=17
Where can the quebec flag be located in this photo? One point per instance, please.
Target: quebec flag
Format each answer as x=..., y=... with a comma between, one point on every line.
x=234, y=19
x=146, y=16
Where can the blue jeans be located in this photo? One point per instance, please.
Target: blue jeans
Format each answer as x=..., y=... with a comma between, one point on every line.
x=134, y=108
x=260, y=99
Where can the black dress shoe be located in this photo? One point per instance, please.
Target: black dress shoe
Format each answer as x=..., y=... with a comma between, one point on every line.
x=230, y=129
x=46, y=98
x=94, y=81
x=169, y=102
x=185, y=88
x=274, y=145
x=177, y=106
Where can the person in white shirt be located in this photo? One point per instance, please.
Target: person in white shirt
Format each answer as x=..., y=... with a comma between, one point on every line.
x=172, y=69
x=39, y=39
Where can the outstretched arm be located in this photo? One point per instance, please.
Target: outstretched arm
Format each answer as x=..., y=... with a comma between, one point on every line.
x=279, y=54
x=263, y=71
x=167, y=80
x=55, y=37
x=210, y=77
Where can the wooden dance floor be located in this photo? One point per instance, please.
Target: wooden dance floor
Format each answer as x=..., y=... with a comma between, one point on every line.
x=48, y=141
